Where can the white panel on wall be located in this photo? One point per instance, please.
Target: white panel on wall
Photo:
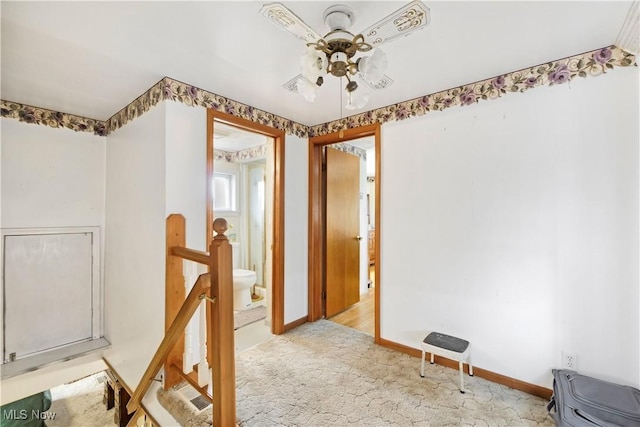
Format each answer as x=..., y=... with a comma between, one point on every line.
x=513, y=223
x=48, y=290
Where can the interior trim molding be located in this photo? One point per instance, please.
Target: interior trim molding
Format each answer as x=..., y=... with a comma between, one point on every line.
x=532, y=389
x=316, y=222
x=278, y=230
x=292, y=325
x=588, y=64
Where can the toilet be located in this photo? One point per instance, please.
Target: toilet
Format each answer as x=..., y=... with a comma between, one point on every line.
x=243, y=280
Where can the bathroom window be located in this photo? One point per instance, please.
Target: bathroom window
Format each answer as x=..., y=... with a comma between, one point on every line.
x=225, y=193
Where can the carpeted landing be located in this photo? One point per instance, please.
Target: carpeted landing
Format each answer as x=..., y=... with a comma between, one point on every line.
x=325, y=374
x=247, y=317
x=80, y=404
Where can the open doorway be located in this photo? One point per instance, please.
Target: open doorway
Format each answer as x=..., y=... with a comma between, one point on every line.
x=245, y=173
x=349, y=288
x=318, y=234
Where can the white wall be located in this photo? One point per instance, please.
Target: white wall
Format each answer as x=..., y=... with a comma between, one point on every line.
x=51, y=178
x=186, y=169
x=135, y=242
x=186, y=192
x=513, y=223
x=296, y=208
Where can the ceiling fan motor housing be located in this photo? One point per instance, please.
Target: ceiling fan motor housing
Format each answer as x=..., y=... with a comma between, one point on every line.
x=341, y=41
x=338, y=17
x=338, y=64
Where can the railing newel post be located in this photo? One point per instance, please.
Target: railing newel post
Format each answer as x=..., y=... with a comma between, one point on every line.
x=221, y=330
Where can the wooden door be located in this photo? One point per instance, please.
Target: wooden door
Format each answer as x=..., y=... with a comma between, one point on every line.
x=342, y=269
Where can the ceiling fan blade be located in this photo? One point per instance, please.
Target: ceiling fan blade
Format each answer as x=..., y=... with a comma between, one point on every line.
x=286, y=20
x=384, y=82
x=404, y=21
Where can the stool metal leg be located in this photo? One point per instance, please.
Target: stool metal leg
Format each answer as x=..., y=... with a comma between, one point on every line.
x=461, y=376
x=422, y=365
x=432, y=355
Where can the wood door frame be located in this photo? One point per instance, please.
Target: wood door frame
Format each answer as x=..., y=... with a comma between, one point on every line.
x=316, y=220
x=277, y=261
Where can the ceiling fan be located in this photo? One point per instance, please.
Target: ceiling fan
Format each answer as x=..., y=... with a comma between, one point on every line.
x=334, y=53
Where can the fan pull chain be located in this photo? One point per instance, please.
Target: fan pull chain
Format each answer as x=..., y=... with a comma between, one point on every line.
x=341, y=133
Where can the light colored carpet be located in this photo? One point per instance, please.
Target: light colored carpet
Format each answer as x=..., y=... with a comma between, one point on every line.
x=177, y=403
x=325, y=374
x=246, y=317
x=79, y=404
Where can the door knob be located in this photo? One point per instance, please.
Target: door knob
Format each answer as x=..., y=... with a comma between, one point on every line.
x=358, y=238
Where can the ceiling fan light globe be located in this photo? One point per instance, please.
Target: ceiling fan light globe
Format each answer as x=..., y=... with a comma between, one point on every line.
x=374, y=66
x=313, y=64
x=374, y=75
x=357, y=100
x=307, y=89
x=361, y=99
x=379, y=59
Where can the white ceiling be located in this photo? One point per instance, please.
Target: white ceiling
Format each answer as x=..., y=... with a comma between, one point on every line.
x=93, y=58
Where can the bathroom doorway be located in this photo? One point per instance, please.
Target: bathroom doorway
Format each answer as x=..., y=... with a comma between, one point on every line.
x=317, y=224
x=245, y=172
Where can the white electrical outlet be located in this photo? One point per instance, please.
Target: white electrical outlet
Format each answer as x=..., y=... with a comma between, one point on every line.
x=569, y=361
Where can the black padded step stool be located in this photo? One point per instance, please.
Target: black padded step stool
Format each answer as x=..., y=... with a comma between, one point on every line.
x=449, y=347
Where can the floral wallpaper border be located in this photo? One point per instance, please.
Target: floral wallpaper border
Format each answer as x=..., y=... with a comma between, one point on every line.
x=193, y=96
x=558, y=72
x=592, y=63
x=152, y=97
x=350, y=149
x=259, y=151
x=55, y=119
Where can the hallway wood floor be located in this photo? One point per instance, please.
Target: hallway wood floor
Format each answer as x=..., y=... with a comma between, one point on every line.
x=360, y=316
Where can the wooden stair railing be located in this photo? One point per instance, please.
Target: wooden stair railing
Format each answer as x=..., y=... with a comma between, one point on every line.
x=198, y=292
x=217, y=288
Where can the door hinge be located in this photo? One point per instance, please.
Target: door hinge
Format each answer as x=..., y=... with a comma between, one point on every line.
x=324, y=295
